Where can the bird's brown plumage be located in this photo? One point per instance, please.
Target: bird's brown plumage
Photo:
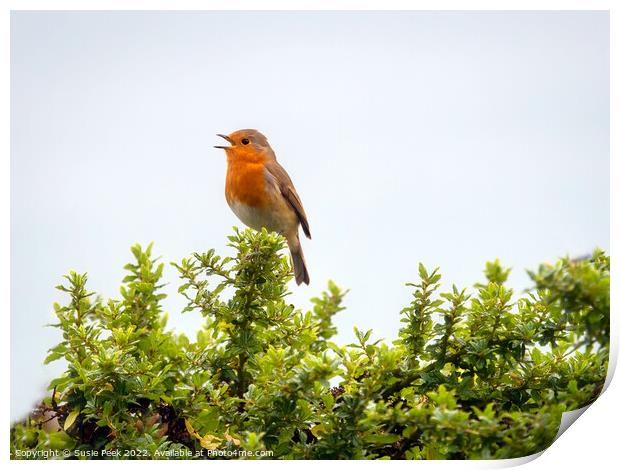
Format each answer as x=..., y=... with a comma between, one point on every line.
x=288, y=191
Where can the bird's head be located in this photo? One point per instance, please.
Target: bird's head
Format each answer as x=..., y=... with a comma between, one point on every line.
x=246, y=144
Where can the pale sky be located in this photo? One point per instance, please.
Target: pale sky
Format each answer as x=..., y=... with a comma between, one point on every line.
x=447, y=138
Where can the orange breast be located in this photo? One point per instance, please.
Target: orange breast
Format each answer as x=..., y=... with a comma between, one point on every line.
x=245, y=183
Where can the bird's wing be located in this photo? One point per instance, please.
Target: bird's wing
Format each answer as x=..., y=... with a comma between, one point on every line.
x=283, y=180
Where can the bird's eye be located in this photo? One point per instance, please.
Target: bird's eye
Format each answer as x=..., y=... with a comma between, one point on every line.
x=245, y=141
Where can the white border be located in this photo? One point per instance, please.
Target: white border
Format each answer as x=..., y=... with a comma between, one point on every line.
x=591, y=442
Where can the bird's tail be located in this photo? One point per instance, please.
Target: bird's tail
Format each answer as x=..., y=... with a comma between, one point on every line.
x=299, y=262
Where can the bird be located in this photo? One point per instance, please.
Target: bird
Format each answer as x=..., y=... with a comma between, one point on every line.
x=261, y=194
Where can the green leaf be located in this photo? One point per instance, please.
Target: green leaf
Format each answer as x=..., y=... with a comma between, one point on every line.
x=71, y=418
x=382, y=438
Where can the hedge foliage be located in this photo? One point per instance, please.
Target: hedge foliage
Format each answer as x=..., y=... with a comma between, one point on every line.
x=474, y=374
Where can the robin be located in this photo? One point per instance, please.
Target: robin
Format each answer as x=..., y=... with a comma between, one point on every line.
x=260, y=192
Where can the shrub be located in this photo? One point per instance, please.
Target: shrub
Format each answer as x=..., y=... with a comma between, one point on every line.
x=477, y=374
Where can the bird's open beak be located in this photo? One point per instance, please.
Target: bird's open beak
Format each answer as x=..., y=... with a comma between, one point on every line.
x=225, y=137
